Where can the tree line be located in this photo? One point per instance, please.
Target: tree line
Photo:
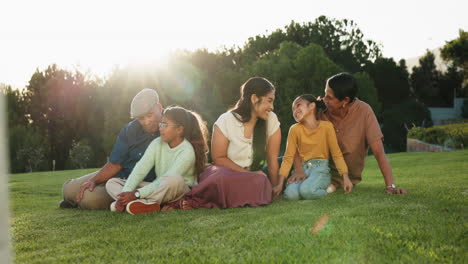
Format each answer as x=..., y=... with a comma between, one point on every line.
x=69, y=119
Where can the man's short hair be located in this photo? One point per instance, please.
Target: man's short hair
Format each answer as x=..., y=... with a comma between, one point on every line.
x=143, y=102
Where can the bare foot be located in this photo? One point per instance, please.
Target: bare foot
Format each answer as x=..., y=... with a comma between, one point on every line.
x=167, y=208
x=184, y=205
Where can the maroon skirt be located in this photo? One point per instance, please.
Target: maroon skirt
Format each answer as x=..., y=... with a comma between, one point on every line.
x=221, y=187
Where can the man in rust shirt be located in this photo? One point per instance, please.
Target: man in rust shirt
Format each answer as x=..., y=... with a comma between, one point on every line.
x=356, y=129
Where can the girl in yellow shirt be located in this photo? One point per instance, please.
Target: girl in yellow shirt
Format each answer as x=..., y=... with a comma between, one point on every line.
x=312, y=141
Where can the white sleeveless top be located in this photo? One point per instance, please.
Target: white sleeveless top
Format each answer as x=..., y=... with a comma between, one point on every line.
x=240, y=149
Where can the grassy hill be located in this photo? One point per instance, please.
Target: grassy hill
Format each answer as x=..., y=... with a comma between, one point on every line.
x=429, y=225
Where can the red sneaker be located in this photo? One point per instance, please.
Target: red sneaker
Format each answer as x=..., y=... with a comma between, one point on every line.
x=116, y=206
x=139, y=207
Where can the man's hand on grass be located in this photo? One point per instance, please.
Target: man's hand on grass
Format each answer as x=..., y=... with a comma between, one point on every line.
x=126, y=197
x=347, y=184
x=392, y=190
x=88, y=185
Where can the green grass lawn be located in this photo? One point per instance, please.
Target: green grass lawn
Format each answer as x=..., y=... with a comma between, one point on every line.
x=429, y=225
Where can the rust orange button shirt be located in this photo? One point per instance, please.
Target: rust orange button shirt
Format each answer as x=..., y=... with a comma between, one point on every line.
x=355, y=133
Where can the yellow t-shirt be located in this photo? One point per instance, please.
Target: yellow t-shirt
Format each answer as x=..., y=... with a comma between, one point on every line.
x=312, y=144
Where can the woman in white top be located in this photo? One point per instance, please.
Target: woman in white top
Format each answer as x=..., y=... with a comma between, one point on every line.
x=244, y=139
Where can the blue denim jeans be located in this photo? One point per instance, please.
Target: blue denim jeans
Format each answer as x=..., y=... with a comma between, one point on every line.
x=315, y=185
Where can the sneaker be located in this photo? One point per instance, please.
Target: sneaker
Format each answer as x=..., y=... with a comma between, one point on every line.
x=331, y=188
x=140, y=207
x=117, y=207
x=66, y=204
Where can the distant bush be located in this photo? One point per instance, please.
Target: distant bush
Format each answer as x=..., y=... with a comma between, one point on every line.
x=454, y=121
x=28, y=149
x=453, y=136
x=465, y=109
x=397, y=118
x=81, y=155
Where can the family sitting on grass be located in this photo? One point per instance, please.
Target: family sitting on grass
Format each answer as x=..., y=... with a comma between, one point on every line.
x=159, y=161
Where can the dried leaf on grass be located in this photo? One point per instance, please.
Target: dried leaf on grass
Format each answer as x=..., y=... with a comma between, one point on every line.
x=320, y=224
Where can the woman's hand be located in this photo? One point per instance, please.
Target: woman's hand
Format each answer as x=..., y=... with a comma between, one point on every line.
x=126, y=197
x=347, y=184
x=278, y=189
x=297, y=177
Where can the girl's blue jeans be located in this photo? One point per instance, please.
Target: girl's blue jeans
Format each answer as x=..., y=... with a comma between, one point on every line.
x=315, y=185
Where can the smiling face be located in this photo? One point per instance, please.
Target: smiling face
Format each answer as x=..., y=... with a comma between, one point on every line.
x=302, y=108
x=331, y=101
x=169, y=130
x=150, y=121
x=262, y=106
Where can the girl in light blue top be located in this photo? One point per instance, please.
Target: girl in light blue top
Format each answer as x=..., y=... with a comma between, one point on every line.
x=178, y=156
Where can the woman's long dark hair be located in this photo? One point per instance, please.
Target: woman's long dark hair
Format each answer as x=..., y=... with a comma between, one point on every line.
x=260, y=87
x=195, y=131
x=319, y=104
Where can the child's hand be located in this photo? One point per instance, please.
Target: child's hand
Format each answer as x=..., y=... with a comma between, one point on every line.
x=126, y=197
x=297, y=177
x=277, y=189
x=347, y=184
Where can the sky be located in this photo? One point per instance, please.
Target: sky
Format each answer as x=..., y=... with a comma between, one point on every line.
x=97, y=35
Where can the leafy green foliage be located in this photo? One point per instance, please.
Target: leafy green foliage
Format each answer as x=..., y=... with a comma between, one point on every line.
x=28, y=150
x=391, y=81
x=450, y=83
x=64, y=106
x=59, y=106
x=398, y=118
x=425, y=81
x=16, y=112
x=456, y=52
x=367, y=91
x=434, y=88
x=81, y=154
x=342, y=41
x=456, y=134
x=400, y=108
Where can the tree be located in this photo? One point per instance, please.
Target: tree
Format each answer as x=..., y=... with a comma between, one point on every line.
x=425, y=81
x=28, y=149
x=342, y=41
x=367, y=91
x=450, y=83
x=59, y=106
x=81, y=154
x=456, y=52
x=391, y=81
x=397, y=119
x=220, y=78
x=400, y=108
x=16, y=112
